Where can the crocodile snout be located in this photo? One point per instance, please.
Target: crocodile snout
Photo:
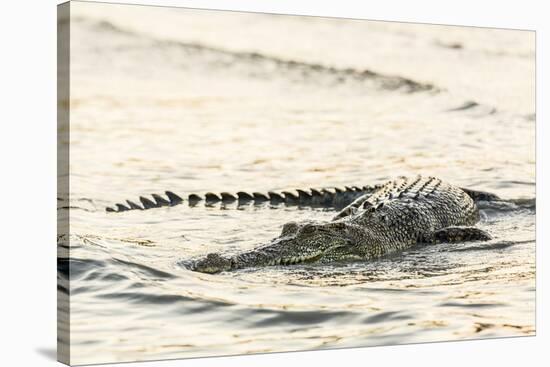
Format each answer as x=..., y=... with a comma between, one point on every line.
x=212, y=263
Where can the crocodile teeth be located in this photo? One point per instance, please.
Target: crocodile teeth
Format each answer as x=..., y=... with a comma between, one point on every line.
x=297, y=259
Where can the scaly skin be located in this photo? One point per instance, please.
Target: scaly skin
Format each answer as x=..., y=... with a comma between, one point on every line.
x=396, y=216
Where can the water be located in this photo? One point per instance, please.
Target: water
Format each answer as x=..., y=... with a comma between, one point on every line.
x=173, y=99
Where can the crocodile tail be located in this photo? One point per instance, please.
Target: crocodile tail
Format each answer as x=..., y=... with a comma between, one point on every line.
x=335, y=198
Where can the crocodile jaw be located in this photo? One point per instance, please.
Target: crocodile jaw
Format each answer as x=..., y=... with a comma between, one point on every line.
x=214, y=263
x=281, y=251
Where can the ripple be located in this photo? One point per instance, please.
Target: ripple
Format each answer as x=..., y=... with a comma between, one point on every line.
x=472, y=305
x=491, y=246
x=299, y=317
x=148, y=271
x=386, y=316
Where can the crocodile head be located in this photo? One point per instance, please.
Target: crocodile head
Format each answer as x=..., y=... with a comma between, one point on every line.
x=298, y=243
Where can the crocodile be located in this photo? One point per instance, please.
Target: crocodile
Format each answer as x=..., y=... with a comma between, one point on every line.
x=390, y=218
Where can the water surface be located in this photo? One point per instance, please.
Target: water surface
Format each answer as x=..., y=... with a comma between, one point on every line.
x=174, y=99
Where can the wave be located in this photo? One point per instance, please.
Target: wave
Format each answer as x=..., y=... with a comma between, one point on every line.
x=259, y=65
x=480, y=109
x=509, y=205
x=491, y=246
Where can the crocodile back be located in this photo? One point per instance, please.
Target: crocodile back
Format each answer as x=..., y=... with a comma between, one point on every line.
x=415, y=207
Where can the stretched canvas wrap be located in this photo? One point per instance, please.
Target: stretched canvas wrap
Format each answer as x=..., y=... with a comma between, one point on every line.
x=237, y=183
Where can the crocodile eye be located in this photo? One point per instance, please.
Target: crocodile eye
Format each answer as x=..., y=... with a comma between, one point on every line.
x=308, y=229
x=367, y=205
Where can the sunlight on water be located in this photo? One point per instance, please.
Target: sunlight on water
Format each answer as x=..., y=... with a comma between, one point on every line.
x=166, y=99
